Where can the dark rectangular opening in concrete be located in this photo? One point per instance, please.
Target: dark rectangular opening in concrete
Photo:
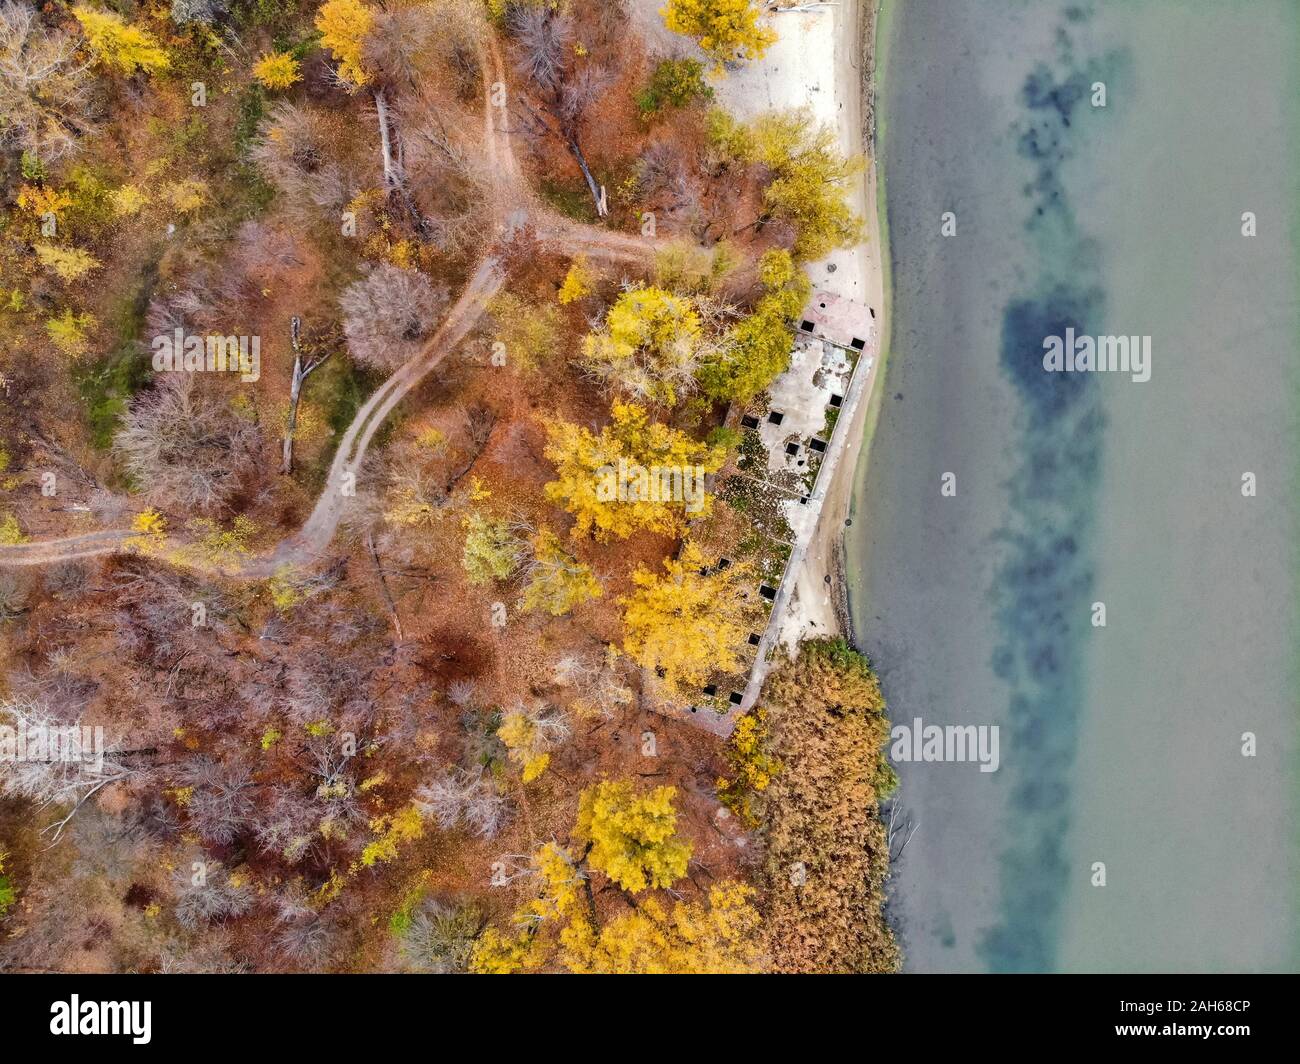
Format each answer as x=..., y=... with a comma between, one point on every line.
x=837, y=400
x=776, y=417
x=749, y=421
x=817, y=445
x=768, y=593
x=857, y=344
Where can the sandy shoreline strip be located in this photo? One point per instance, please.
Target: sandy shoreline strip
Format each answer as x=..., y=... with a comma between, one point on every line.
x=847, y=31
x=795, y=73
x=855, y=83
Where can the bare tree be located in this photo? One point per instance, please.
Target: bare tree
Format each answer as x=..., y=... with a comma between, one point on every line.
x=898, y=831
x=13, y=596
x=302, y=369
x=574, y=669
x=447, y=178
x=260, y=252
x=223, y=799
x=53, y=761
x=205, y=12
x=45, y=102
x=598, y=683
x=206, y=894
x=404, y=43
x=155, y=615
x=399, y=49
x=187, y=448
x=545, y=40
x=66, y=580
x=296, y=154
x=464, y=796
x=384, y=588
x=210, y=294
x=397, y=43
x=306, y=941
x=287, y=826
x=107, y=507
x=545, y=56
x=664, y=181
x=440, y=937
x=209, y=955
x=388, y=314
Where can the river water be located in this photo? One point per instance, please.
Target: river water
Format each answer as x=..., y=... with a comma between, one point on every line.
x=1090, y=166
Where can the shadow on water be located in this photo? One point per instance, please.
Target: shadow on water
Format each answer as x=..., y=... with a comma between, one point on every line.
x=1041, y=586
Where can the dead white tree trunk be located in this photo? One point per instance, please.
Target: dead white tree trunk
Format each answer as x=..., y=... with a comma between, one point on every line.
x=892, y=831
x=567, y=134
x=597, y=192
x=392, y=180
x=301, y=371
x=394, y=168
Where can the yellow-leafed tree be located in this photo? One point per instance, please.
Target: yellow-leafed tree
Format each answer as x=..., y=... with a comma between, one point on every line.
x=578, y=282
x=557, y=581
x=68, y=264
x=530, y=334
x=726, y=30
x=492, y=551
x=561, y=928
x=686, y=623
x=278, y=70
x=530, y=736
x=807, y=181
x=632, y=837
x=756, y=349
x=753, y=767
x=649, y=347
x=531, y=940
x=343, y=26
x=686, y=938
x=119, y=46
x=624, y=480
x=68, y=331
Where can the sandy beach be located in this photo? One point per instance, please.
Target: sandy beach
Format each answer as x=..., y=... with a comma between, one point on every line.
x=825, y=605
x=794, y=73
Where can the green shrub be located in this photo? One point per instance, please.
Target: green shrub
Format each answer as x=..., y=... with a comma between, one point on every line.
x=674, y=83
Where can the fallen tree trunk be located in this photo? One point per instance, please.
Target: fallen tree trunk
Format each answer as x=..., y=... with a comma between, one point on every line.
x=301, y=371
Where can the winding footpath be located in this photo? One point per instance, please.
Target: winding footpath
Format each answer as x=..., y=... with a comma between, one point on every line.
x=515, y=214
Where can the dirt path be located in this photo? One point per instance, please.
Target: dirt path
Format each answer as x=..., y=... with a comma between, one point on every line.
x=515, y=212
x=65, y=548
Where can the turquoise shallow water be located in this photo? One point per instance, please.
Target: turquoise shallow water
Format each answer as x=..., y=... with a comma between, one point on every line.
x=1121, y=746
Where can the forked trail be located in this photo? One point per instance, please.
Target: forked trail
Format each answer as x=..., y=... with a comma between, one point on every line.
x=515, y=213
